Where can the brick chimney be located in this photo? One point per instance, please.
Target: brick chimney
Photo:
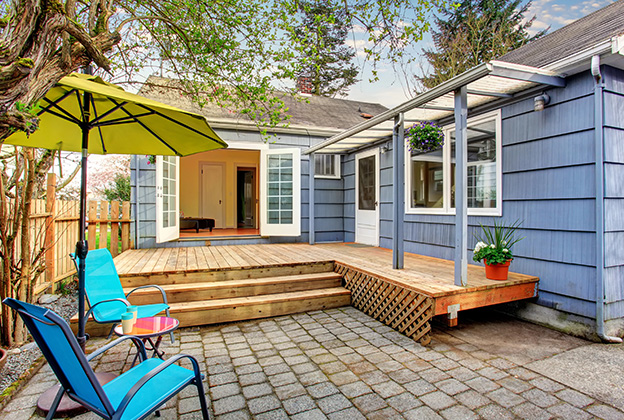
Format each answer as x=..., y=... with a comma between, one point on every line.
x=304, y=85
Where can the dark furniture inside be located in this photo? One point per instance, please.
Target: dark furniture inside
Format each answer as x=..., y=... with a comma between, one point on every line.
x=196, y=223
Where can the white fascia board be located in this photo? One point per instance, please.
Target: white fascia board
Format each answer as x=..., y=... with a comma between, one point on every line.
x=570, y=64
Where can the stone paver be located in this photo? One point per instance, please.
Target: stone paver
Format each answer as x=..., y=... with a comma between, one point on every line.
x=340, y=363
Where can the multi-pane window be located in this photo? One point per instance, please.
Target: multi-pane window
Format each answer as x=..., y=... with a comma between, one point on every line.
x=431, y=176
x=326, y=166
x=280, y=189
x=169, y=210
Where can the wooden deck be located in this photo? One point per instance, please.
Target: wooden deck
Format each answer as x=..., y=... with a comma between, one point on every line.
x=430, y=277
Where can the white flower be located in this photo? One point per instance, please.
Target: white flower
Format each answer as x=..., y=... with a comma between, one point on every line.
x=479, y=246
x=504, y=243
x=505, y=250
x=492, y=246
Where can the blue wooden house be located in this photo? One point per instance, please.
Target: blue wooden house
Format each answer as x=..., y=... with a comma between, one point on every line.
x=536, y=136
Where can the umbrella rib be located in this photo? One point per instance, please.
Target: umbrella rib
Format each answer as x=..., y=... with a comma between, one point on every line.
x=55, y=104
x=147, y=128
x=64, y=117
x=124, y=120
x=181, y=124
x=98, y=127
x=94, y=122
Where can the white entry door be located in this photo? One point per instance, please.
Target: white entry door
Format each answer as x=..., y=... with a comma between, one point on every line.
x=367, y=197
x=280, y=192
x=212, y=198
x=167, y=198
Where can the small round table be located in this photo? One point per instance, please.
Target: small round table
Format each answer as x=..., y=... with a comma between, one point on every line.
x=147, y=328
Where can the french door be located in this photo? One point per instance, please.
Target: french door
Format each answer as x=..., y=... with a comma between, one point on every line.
x=280, y=192
x=167, y=198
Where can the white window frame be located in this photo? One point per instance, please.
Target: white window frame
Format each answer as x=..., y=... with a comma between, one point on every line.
x=446, y=209
x=336, y=163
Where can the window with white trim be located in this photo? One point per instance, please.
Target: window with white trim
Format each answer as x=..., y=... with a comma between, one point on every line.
x=326, y=166
x=430, y=177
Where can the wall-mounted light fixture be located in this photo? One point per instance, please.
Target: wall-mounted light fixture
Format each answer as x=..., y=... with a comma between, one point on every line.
x=539, y=102
x=385, y=148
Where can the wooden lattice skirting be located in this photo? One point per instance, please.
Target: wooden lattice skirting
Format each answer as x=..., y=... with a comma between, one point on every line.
x=404, y=310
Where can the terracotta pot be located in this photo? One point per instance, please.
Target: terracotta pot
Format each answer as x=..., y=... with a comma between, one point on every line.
x=3, y=357
x=497, y=271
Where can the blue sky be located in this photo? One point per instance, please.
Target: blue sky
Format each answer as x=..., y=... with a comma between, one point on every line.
x=392, y=89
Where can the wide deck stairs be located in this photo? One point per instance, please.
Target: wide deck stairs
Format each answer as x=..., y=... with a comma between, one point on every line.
x=219, y=296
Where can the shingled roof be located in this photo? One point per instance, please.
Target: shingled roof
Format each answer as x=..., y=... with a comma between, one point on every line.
x=586, y=32
x=313, y=111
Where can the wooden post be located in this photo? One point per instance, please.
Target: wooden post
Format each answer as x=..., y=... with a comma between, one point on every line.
x=103, y=224
x=92, y=224
x=125, y=226
x=114, y=244
x=49, y=242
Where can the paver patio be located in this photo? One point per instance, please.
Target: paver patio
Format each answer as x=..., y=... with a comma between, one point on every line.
x=340, y=363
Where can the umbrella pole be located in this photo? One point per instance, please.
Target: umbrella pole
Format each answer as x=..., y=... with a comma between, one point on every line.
x=82, y=247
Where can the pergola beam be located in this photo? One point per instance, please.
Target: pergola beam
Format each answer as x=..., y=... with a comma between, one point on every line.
x=542, y=79
x=490, y=94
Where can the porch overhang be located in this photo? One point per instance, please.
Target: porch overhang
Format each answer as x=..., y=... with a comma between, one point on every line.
x=485, y=83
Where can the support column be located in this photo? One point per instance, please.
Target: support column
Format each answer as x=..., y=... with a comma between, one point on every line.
x=312, y=166
x=461, y=191
x=398, y=191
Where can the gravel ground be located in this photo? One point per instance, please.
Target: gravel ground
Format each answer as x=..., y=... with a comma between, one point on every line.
x=20, y=359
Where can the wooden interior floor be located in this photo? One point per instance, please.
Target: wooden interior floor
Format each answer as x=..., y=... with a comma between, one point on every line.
x=430, y=276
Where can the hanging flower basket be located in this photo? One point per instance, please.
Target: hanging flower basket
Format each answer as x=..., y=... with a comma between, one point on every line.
x=424, y=137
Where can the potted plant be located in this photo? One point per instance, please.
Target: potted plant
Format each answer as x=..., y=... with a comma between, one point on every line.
x=424, y=137
x=494, y=248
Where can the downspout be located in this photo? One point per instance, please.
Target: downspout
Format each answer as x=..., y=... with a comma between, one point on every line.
x=600, y=182
x=137, y=236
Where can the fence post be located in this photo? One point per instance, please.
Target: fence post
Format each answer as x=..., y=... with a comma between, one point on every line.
x=49, y=246
x=103, y=224
x=114, y=243
x=92, y=223
x=125, y=226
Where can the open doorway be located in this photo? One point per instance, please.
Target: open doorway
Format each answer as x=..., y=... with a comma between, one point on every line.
x=246, y=198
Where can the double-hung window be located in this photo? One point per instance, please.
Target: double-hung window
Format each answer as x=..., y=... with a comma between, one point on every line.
x=326, y=166
x=430, y=177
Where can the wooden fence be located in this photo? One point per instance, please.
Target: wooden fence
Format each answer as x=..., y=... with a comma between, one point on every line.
x=54, y=227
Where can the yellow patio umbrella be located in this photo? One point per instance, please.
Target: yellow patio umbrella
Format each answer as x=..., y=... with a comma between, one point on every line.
x=122, y=123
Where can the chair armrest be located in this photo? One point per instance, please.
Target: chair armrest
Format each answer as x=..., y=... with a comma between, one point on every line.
x=137, y=342
x=90, y=311
x=152, y=374
x=162, y=292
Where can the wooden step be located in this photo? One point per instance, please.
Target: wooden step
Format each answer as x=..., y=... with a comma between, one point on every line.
x=179, y=277
x=244, y=308
x=188, y=292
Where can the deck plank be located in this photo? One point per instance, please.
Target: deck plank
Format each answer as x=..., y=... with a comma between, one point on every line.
x=427, y=275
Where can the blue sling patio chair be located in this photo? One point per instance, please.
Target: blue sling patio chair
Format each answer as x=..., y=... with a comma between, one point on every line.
x=106, y=298
x=134, y=394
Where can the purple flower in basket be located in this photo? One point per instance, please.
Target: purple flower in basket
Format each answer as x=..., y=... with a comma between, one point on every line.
x=424, y=137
